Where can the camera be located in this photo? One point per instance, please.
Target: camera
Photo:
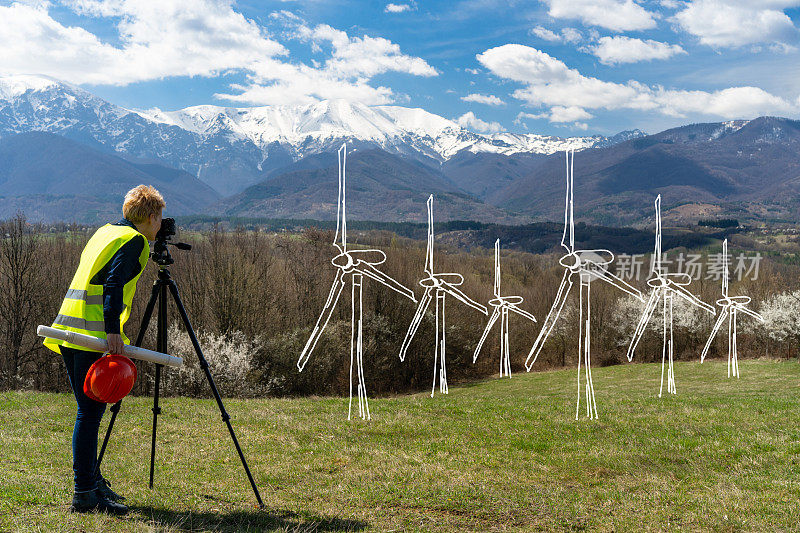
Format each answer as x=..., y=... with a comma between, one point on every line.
x=166, y=230
x=160, y=253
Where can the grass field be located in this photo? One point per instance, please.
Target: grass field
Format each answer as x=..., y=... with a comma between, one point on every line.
x=505, y=454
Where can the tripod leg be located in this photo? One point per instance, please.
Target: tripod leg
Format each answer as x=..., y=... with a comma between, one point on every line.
x=156, y=412
x=148, y=313
x=161, y=343
x=204, y=365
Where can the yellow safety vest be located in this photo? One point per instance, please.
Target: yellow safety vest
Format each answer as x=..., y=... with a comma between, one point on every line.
x=82, y=308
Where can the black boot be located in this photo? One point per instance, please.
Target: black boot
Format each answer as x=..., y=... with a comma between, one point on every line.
x=104, y=486
x=92, y=501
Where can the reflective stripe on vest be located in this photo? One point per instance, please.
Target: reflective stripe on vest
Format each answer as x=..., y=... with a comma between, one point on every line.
x=77, y=294
x=79, y=323
x=82, y=308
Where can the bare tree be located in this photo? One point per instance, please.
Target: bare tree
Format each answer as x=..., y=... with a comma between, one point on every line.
x=21, y=302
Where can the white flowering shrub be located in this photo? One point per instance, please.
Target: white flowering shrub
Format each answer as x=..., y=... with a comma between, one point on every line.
x=627, y=312
x=781, y=314
x=229, y=360
x=691, y=325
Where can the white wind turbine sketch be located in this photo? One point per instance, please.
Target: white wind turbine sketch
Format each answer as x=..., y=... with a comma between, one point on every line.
x=355, y=264
x=587, y=265
x=731, y=307
x=443, y=284
x=502, y=305
x=664, y=286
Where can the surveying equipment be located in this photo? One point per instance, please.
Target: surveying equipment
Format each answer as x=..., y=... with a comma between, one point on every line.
x=162, y=258
x=100, y=345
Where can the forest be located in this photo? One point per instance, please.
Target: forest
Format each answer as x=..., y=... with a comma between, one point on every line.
x=254, y=294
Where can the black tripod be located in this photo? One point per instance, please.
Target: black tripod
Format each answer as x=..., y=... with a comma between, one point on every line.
x=159, y=295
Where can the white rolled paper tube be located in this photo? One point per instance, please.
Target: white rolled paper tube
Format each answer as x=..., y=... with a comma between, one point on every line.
x=87, y=341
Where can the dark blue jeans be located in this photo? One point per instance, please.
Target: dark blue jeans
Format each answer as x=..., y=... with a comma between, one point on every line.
x=87, y=422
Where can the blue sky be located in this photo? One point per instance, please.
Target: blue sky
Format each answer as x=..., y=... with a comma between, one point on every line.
x=561, y=67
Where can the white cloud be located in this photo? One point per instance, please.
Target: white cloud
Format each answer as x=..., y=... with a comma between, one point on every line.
x=569, y=35
x=205, y=38
x=569, y=114
x=521, y=116
x=736, y=23
x=620, y=49
x=615, y=15
x=782, y=48
x=158, y=39
x=558, y=114
x=488, y=99
x=364, y=56
x=549, y=83
x=472, y=70
x=397, y=8
x=471, y=122
x=543, y=33
x=734, y=102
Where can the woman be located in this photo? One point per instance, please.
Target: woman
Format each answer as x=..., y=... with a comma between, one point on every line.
x=98, y=303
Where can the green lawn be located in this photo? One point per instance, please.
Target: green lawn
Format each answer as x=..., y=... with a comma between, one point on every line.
x=499, y=455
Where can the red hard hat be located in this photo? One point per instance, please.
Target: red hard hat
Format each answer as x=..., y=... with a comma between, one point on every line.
x=110, y=378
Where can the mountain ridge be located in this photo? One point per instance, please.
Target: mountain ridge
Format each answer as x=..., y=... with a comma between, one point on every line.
x=231, y=148
x=280, y=161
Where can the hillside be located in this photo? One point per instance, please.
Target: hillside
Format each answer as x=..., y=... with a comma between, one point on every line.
x=52, y=178
x=380, y=186
x=750, y=168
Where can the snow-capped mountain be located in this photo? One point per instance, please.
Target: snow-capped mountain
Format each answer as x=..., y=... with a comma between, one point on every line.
x=231, y=148
x=308, y=129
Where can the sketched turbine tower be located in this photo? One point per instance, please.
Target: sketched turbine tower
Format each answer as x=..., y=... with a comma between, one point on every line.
x=443, y=284
x=502, y=305
x=731, y=306
x=354, y=264
x=588, y=265
x=664, y=286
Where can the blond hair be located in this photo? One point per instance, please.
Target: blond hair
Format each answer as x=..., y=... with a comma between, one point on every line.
x=141, y=202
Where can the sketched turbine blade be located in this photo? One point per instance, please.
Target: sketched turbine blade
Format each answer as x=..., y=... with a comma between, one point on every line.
x=717, y=325
x=691, y=298
x=725, y=272
x=751, y=313
x=616, y=281
x=373, y=273
x=649, y=309
x=569, y=223
x=497, y=268
x=551, y=318
x=341, y=214
x=322, y=321
x=486, y=330
x=458, y=295
x=429, y=248
x=522, y=312
x=412, y=329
